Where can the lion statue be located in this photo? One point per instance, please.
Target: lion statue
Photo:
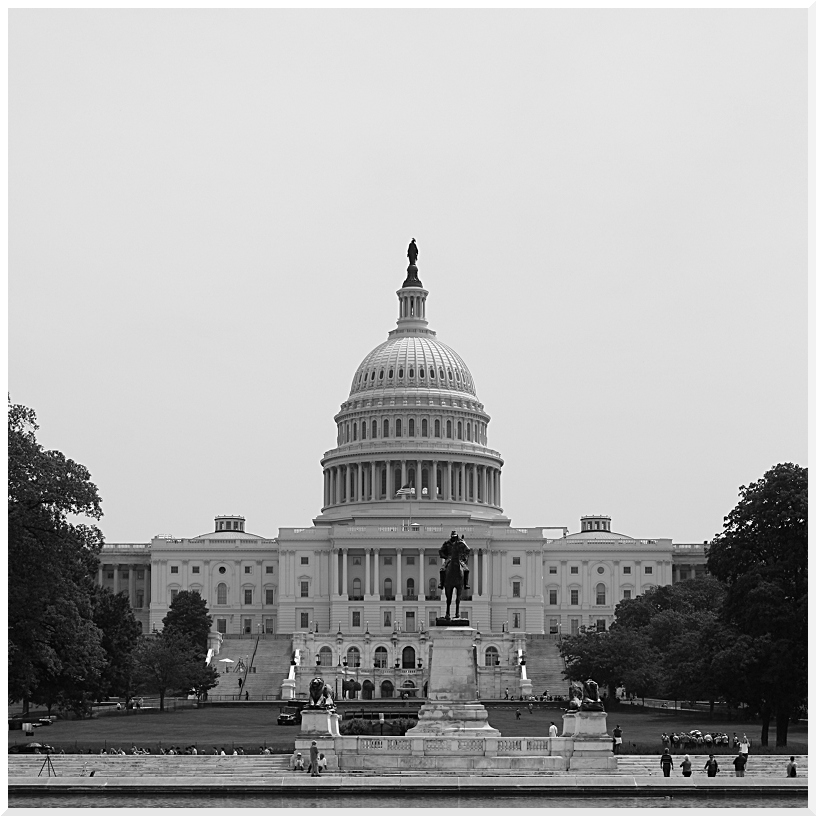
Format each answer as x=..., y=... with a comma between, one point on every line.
x=316, y=692
x=576, y=696
x=592, y=701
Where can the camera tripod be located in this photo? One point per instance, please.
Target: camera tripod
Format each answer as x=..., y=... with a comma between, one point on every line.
x=48, y=764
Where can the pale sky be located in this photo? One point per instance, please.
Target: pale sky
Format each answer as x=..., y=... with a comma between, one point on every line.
x=209, y=213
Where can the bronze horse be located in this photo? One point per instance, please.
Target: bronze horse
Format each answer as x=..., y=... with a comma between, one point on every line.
x=454, y=574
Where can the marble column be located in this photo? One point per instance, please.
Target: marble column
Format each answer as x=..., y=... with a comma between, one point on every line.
x=149, y=584
x=399, y=575
x=421, y=593
x=376, y=572
x=367, y=590
x=115, y=579
x=389, y=480
x=345, y=573
x=433, y=487
x=336, y=573
x=132, y=586
x=359, y=494
x=347, y=483
x=475, y=581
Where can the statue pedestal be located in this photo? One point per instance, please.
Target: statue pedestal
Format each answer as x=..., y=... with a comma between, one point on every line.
x=452, y=706
x=288, y=689
x=591, y=745
x=319, y=722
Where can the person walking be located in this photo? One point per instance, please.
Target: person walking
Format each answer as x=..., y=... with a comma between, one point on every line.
x=685, y=766
x=790, y=768
x=617, y=739
x=666, y=762
x=553, y=729
x=530, y=706
x=518, y=713
x=740, y=761
x=313, y=757
x=744, y=745
x=711, y=767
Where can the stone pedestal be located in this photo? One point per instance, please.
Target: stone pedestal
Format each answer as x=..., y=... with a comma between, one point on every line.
x=591, y=745
x=452, y=706
x=288, y=689
x=319, y=722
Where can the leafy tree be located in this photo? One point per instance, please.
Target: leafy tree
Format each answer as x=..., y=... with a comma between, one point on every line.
x=120, y=631
x=188, y=618
x=52, y=561
x=761, y=557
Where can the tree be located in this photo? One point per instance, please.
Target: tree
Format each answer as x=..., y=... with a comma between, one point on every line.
x=119, y=629
x=761, y=557
x=188, y=618
x=52, y=562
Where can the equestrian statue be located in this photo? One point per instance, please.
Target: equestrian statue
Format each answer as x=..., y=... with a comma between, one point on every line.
x=454, y=573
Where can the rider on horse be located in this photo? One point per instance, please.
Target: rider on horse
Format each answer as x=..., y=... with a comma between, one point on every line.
x=454, y=544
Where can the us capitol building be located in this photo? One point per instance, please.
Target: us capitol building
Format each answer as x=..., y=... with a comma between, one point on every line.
x=359, y=588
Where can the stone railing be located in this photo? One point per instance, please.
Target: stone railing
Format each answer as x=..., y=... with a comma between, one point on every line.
x=429, y=745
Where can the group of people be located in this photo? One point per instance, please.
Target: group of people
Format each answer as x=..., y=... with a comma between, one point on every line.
x=317, y=761
x=679, y=741
x=546, y=697
x=174, y=750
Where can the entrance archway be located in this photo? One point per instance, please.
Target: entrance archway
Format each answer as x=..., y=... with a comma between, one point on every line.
x=386, y=689
x=408, y=658
x=368, y=690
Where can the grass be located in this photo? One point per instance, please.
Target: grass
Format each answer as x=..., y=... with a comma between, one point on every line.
x=254, y=725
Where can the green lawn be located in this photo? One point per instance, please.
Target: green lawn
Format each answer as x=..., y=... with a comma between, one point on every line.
x=255, y=725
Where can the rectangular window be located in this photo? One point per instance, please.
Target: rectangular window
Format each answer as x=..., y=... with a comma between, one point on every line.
x=553, y=570
x=247, y=570
x=140, y=600
x=410, y=621
x=574, y=626
x=574, y=597
x=140, y=575
x=304, y=620
x=553, y=626
x=304, y=559
x=432, y=560
x=517, y=620
x=110, y=575
x=627, y=594
x=247, y=624
x=388, y=560
x=516, y=589
x=247, y=596
x=270, y=570
x=648, y=570
x=516, y=560
x=573, y=570
x=221, y=626
x=125, y=574
x=173, y=594
x=304, y=589
x=684, y=574
x=356, y=561
x=270, y=597
x=627, y=570
x=355, y=619
x=553, y=597
x=174, y=570
x=386, y=620
x=196, y=570
x=600, y=626
x=409, y=560
x=431, y=618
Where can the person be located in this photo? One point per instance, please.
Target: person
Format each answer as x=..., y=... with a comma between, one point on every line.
x=322, y=763
x=745, y=744
x=507, y=693
x=666, y=762
x=518, y=713
x=790, y=768
x=298, y=762
x=685, y=766
x=553, y=729
x=735, y=743
x=313, y=752
x=118, y=706
x=711, y=767
x=665, y=739
x=617, y=740
x=739, y=763
x=530, y=706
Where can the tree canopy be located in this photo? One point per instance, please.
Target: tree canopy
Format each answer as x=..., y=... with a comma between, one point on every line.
x=188, y=617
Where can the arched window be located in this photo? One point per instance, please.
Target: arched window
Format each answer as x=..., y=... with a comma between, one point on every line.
x=448, y=428
x=491, y=656
x=424, y=427
x=387, y=689
x=354, y=432
x=409, y=586
x=388, y=591
x=221, y=594
x=383, y=483
x=437, y=428
x=458, y=429
x=468, y=432
x=422, y=373
x=364, y=430
x=326, y=656
x=357, y=588
x=353, y=657
x=432, y=588
x=399, y=427
x=386, y=428
x=381, y=658
x=408, y=658
x=410, y=427
x=410, y=373
x=600, y=595
x=373, y=428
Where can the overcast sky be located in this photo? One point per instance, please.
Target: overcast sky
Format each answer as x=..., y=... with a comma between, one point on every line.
x=209, y=213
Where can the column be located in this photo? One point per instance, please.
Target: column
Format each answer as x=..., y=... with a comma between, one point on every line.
x=367, y=590
x=345, y=573
x=359, y=493
x=637, y=578
x=475, y=584
x=115, y=579
x=398, y=593
x=332, y=484
x=348, y=483
x=132, y=586
x=377, y=572
x=403, y=474
x=336, y=573
x=498, y=488
x=421, y=593
x=433, y=485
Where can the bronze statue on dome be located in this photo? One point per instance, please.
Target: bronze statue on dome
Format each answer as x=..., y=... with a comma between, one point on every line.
x=413, y=252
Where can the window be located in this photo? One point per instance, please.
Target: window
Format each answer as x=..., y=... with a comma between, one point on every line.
x=221, y=626
x=247, y=596
x=432, y=618
x=304, y=559
x=516, y=589
x=270, y=570
x=385, y=427
x=399, y=423
x=459, y=430
x=410, y=560
x=422, y=373
x=270, y=597
x=196, y=570
x=222, y=570
x=517, y=620
x=326, y=657
x=648, y=570
x=573, y=570
x=221, y=594
x=408, y=658
x=516, y=560
x=355, y=619
x=600, y=570
x=553, y=626
x=437, y=428
x=432, y=588
x=627, y=594
x=140, y=600
x=110, y=575
x=491, y=656
x=363, y=430
x=354, y=432
x=247, y=570
x=432, y=560
x=553, y=597
x=574, y=624
x=353, y=657
x=627, y=570
x=304, y=589
x=356, y=561
x=409, y=587
x=448, y=431
x=600, y=625
x=410, y=427
x=173, y=595
x=248, y=627
x=304, y=620
x=388, y=560
x=424, y=427
x=388, y=590
x=381, y=658
x=174, y=570
x=386, y=620
x=553, y=570
x=374, y=428
x=600, y=595
x=573, y=597
x=125, y=573
x=357, y=588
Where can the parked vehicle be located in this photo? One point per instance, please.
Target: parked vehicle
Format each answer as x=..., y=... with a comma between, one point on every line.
x=31, y=748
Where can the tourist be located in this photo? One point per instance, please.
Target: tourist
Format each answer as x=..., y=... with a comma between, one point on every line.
x=739, y=763
x=790, y=768
x=617, y=740
x=298, y=766
x=223, y=752
x=553, y=729
x=530, y=706
x=315, y=771
x=685, y=766
x=518, y=713
x=711, y=767
x=666, y=762
x=735, y=743
x=665, y=739
x=322, y=763
x=507, y=693
x=745, y=744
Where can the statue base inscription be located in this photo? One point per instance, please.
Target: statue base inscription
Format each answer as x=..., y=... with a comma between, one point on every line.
x=462, y=719
x=319, y=722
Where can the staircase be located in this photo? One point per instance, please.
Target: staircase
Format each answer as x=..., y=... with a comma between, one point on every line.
x=268, y=658
x=545, y=665
x=767, y=765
